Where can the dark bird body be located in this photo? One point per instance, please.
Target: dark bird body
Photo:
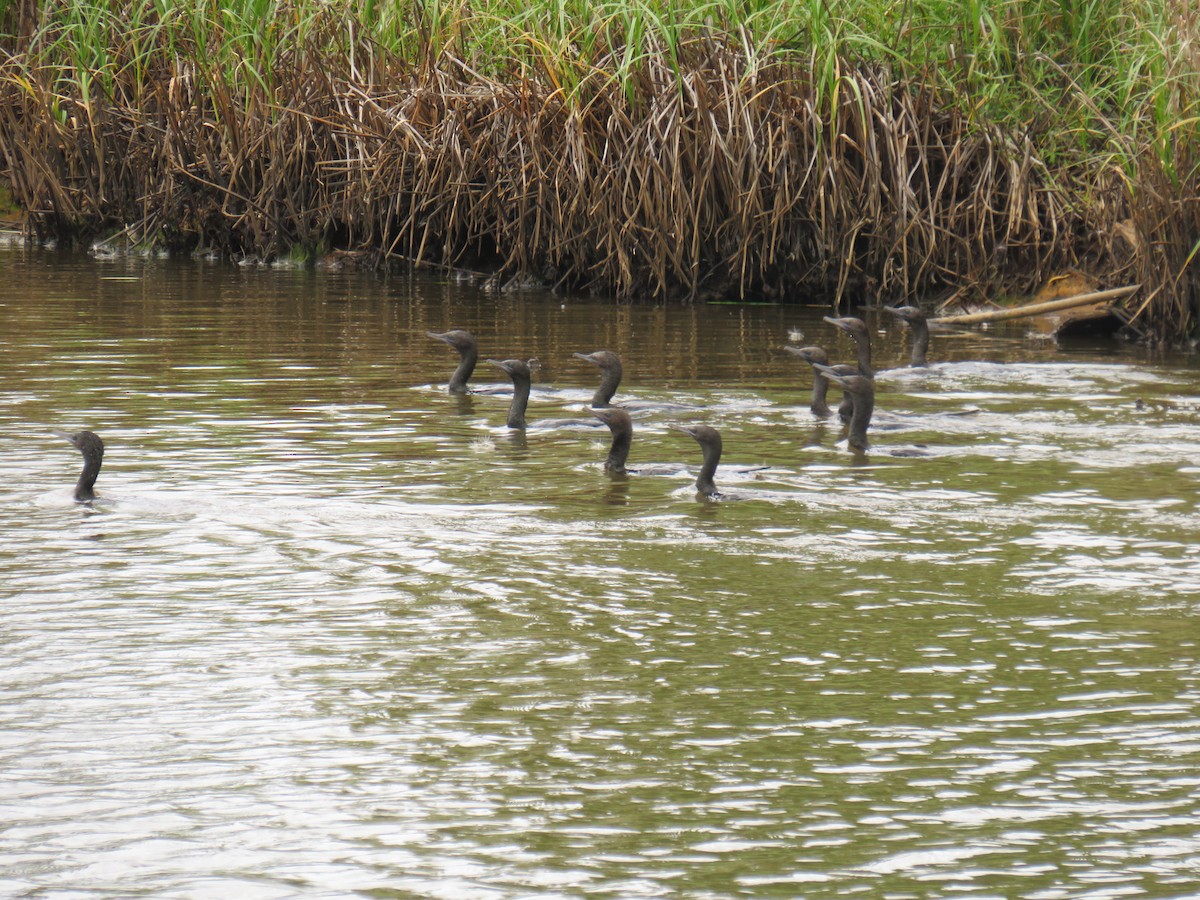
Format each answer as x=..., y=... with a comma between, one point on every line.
x=609, y=365
x=858, y=331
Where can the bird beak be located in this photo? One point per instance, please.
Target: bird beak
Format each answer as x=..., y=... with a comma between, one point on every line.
x=832, y=321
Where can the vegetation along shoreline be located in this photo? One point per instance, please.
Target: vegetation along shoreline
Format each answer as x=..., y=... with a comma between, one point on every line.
x=849, y=152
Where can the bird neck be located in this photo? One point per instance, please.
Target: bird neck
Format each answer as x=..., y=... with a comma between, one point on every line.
x=610, y=378
x=520, y=400
x=618, y=453
x=860, y=419
x=920, y=343
x=704, y=481
x=466, y=366
x=84, y=488
x=819, y=405
x=863, y=346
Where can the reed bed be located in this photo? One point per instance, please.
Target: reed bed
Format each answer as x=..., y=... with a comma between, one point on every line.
x=787, y=150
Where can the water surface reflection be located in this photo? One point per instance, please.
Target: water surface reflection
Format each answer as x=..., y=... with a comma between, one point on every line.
x=332, y=631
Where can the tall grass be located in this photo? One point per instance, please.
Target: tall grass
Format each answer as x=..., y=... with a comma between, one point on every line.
x=646, y=147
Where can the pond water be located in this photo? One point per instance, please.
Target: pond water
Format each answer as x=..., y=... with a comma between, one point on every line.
x=329, y=631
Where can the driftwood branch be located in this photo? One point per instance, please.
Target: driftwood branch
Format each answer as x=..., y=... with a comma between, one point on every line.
x=1036, y=309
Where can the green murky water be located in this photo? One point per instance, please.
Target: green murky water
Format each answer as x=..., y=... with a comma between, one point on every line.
x=331, y=632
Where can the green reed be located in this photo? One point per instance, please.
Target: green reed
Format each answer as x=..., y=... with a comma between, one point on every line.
x=1126, y=65
x=1097, y=101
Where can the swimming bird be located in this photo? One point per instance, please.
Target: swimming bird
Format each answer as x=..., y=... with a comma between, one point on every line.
x=814, y=356
x=862, y=389
x=92, y=448
x=709, y=440
x=520, y=371
x=609, y=365
x=522, y=379
x=857, y=329
x=610, y=375
x=621, y=426
x=464, y=342
x=919, y=326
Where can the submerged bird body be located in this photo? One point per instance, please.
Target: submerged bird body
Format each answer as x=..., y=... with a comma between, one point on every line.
x=709, y=440
x=862, y=389
x=918, y=324
x=92, y=449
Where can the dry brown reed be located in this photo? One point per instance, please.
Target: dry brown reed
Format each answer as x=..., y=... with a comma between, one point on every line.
x=721, y=178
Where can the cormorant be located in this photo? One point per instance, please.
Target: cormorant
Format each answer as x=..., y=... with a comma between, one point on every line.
x=621, y=426
x=518, y=371
x=468, y=349
x=813, y=356
x=609, y=365
x=709, y=440
x=857, y=329
x=464, y=342
x=610, y=375
x=862, y=389
x=917, y=323
x=92, y=449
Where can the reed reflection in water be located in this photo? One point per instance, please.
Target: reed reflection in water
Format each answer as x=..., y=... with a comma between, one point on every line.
x=332, y=631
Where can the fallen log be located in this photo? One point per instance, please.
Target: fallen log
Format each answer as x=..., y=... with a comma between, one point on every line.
x=1036, y=309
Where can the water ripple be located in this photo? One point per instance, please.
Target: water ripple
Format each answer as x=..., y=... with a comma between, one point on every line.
x=326, y=633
